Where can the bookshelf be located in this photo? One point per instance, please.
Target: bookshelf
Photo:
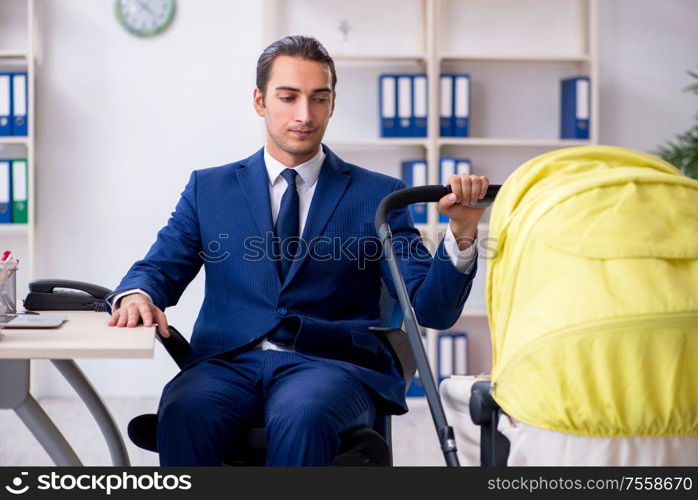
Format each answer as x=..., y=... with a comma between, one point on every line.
x=503, y=142
x=462, y=36
x=17, y=53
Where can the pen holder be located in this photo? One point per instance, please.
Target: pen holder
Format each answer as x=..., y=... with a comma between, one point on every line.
x=8, y=288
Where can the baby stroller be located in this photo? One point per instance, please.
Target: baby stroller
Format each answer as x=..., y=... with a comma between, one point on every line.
x=592, y=301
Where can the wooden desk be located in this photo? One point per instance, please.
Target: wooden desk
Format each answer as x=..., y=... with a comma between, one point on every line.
x=84, y=335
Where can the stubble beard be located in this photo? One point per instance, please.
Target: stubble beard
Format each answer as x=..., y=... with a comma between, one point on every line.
x=302, y=149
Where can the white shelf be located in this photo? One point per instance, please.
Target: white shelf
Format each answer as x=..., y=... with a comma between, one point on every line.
x=417, y=401
x=504, y=142
x=481, y=227
x=515, y=58
x=24, y=141
x=9, y=229
x=371, y=58
x=474, y=313
x=384, y=142
x=13, y=54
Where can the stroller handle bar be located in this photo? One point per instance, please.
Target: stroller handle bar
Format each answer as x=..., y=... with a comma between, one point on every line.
x=400, y=199
x=421, y=194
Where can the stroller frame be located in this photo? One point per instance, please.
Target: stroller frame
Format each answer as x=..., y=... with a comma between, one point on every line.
x=401, y=199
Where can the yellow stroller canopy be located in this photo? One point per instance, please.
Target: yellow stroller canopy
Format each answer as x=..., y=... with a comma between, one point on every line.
x=592, y=294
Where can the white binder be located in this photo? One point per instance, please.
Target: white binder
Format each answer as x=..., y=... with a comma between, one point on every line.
x=461, y=105
x=5, y=105
x=446, y=106
x=404, y=105
x=420, y=106
x=19, y=104
x=463, y=166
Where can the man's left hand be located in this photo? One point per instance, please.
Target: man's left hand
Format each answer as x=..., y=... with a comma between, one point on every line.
x=465, y=190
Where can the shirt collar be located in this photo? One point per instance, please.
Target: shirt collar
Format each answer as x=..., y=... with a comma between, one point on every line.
x=308, y=171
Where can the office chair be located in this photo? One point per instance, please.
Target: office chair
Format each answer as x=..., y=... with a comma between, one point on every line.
x=358, y=446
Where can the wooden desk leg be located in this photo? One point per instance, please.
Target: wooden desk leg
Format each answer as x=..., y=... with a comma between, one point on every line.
x=76, y=378
x=14, y=395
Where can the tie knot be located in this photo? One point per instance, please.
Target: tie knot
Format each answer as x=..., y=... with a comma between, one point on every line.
x=290, y=175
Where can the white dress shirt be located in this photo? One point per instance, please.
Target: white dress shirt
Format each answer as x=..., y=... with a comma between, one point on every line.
x=306, y=181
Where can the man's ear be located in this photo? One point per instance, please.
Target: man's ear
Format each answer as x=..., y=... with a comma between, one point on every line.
x=258, y=101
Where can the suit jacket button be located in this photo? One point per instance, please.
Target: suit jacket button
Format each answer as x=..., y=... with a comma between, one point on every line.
x=282, y=311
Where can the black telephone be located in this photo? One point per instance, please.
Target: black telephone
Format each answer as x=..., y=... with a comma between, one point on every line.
x=65, y=295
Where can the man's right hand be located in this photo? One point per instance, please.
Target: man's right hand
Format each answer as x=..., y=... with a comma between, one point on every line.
x=136, y=307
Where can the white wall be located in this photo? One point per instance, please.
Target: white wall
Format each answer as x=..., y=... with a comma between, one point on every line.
x=123, y=121
x=646, y=48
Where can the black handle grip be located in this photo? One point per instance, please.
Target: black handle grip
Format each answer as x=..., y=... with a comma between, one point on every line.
x=422, y=194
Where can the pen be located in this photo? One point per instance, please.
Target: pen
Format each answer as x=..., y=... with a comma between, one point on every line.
x=6, y=270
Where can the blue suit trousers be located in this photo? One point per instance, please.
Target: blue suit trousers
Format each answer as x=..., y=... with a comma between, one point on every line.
x=304, y=404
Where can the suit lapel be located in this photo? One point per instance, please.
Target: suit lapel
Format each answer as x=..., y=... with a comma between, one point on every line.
x=254, y=181
x=331, y=184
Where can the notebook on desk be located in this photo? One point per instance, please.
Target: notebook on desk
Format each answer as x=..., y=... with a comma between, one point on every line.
x=31, y=320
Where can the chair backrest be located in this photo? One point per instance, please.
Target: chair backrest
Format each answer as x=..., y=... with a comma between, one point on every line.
x=391, y=314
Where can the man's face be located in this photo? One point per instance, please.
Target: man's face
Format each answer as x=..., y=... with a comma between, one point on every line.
x=296, y=106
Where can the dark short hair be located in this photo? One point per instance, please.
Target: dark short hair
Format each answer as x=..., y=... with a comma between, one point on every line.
x=303, y=47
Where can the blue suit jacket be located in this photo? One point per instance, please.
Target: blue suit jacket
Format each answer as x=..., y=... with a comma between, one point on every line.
x=223, y=221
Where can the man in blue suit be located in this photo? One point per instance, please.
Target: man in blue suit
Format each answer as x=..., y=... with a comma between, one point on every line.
x=293, y=278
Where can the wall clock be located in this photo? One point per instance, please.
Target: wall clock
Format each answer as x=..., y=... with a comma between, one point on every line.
x=145, y=18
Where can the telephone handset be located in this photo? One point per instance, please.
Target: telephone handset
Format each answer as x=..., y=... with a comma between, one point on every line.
x=65, y=295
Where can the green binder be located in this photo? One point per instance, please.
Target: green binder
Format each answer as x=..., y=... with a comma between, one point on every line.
x=20, y=209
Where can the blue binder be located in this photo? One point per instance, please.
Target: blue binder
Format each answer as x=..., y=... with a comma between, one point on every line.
x=452, y=354
x=404, y=105
x=20, y=196
x=463, y=166
x=416, y=388
x=5, y=192
x=414, y=173
x=420, y=100
x=387, y=92
x=449, y=166
x=5, y=104
x=446, y=105
x=575, y=108
x=461, y=105
x=20, y=104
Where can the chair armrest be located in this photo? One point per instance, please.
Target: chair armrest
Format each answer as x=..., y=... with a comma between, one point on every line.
x=176, y=345
x=399, y=345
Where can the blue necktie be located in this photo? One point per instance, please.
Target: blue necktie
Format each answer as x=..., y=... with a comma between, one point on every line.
x=287, y=228
x=288, y=222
